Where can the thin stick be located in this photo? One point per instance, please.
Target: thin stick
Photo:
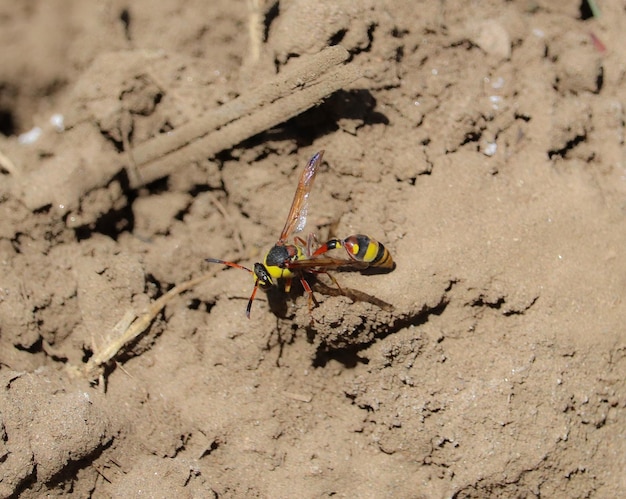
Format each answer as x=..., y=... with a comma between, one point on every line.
x=282, y=85
x=255, y=29
x=133, y=329
x=248, y=126
x=302, y=84
x=6, y=164
x=237, y=233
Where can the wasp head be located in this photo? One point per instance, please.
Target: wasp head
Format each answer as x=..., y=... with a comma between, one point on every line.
x=262, y=276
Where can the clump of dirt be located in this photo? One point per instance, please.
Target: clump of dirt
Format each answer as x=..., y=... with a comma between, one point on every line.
x=483, y=146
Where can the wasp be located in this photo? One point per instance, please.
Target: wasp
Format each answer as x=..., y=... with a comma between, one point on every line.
x=286, y=261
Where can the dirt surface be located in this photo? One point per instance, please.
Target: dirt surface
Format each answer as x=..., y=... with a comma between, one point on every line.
x=481, y=142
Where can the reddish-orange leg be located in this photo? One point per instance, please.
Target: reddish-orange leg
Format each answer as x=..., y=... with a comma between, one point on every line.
x=308, y=245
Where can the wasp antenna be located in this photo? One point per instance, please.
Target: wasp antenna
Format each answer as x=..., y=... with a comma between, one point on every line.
x=229, y=264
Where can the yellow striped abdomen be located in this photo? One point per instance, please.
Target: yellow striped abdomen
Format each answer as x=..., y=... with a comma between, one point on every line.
x=364, y=249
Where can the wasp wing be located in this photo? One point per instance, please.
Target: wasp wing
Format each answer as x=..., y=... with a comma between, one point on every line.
x=323, y=263
x=296, y=220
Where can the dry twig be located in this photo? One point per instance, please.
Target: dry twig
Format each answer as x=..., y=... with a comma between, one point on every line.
x=128, y=329
x=302, y=84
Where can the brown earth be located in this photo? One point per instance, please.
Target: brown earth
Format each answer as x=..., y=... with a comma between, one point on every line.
x=482, y=142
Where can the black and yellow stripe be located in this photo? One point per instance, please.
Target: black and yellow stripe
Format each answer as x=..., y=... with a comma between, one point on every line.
x=362, y=248
x=365, y=249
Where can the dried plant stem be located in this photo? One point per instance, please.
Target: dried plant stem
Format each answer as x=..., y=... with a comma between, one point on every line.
x=290, y=93
x=255, y=29
x=129, y=328
x=302, y=84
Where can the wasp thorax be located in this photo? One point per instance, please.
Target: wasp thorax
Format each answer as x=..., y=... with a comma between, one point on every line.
x=278, y=256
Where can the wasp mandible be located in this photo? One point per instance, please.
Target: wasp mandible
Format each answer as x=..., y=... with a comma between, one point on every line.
x=285, y=261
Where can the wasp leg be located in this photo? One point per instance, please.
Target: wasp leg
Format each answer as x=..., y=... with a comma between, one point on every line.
x=307, y=245
x=299, y=241
x=312, y=244
x=332, y=278
x=312, y=298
